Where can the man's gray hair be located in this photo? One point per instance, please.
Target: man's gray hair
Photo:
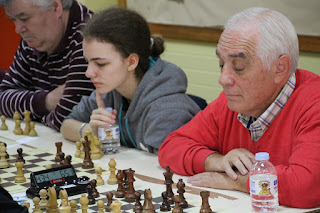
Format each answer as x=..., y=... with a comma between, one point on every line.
x=276, y=34
x=44, y=4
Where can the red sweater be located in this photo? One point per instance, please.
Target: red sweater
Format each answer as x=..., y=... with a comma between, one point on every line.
x=292, y=139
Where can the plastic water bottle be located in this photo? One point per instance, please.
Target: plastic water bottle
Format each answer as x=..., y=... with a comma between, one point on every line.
x=263, y=184
x=109, y=137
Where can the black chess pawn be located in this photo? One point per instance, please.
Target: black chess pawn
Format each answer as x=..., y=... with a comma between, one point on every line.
x=90, y=196
x=20, y=156
x=62, y=160
x=165, y=206
x=137, y=208
x=95, y=192
x=108, y=206
x=181, y=191
x=67, y=160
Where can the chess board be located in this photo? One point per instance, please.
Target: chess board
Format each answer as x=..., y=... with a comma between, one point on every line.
x=37, y=159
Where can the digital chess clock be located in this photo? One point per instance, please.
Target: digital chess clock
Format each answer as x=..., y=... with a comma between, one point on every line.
x=63, y=177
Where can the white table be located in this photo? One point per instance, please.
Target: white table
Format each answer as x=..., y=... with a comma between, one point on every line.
x=147, y=169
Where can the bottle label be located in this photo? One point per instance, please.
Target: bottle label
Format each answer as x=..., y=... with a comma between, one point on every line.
x=264, y=185
x=108, y=133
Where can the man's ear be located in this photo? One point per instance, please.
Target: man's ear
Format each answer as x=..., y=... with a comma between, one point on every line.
x=133, y=61
x=57, y=7
x=282, y=71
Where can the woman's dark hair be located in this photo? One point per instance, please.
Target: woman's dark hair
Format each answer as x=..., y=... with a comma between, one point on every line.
x=128, y=32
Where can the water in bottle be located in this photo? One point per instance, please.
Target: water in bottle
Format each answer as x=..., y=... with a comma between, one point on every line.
x=109, y=137
x=263, y=184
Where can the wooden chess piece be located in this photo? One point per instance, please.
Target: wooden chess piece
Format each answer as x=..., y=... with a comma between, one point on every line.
x=148, y=206
x=82, y=148
x=87, y=162
x=7, y=155
x=129, y=195
x=84, y=201
x=165, y=206
x=52, y=202
x=63, y=195
x=95, y=193
x=3, y=161
x=116, y=206
x=120, y=193
x=78, y=145
x=90, y=196
x=20, y=155
x=33, y=132
x=95, y=152
x=64, y=207
x=43, y=199
x=177, y=208
x=112, y=168
x=67, y=160
x=168, y=182
x=20, y=178
x=16, y=116
x=3, y=124
x=73, y=205
x=109, y=197
x=61, y=156
x=58, y=145
x=17, y=129
x=36, y=202
x=205, y=207
x=181, y=191
x=100, y=205
x=100, y=181
x=49, y=166
x=27, y=120
x=137, y=208
x=25, y=204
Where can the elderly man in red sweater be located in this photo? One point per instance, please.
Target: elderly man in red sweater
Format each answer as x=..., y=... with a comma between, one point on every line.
x=267, y=104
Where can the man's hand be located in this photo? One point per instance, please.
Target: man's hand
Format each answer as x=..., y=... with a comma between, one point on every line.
x=218, y=180
x=53, y=97
x=239, y=159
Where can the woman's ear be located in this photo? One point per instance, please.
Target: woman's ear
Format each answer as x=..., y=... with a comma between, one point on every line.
x=133, y=61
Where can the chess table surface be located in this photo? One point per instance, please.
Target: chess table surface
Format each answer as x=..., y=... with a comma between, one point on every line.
x=40, y=151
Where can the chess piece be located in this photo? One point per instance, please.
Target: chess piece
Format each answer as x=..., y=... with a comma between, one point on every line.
x=64, y=208
x=43, y=199
x=87, y=162
x=62, y=160
x=17, y=129
x=168, y=182
x=73, y=205
x=63, y=195
x=27, y=120
x=100, y=181
x=95, y=152
x=120, y=191
x=33, y=132
x=181, y=191
x=52, y=202
x=84, y=201
x=3, y=161
x=165, y=206
x=100, y=205
x=95, y=192
x=129, y=195
x=3, y=124
x=20, y=155
x=109, y=197
x=16, y=116
x=49, y=166
x=148, y=206
x=137, y=208
x=67, y=160
x=25, y=204
x=177, y=208
x=82, y=148
x=90, y=196
x=7, y=155
x=116, y=206
x=20, y=178
x=78, y=145
x=36, y=202
x=58, y=145
x=205, y=207
x=112, y=168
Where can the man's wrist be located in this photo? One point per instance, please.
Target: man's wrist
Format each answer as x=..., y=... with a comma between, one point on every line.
x=81, y=129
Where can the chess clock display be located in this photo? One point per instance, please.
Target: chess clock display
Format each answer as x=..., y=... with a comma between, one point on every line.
x=63, y=177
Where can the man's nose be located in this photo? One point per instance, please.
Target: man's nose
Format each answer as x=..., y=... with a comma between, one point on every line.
x=226, y=77
x=20, y=27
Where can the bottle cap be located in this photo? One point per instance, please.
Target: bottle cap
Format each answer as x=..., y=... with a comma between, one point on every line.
x=109, y=109
x=262, y=156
